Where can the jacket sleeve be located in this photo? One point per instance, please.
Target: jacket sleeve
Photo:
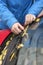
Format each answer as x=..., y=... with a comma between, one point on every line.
x=36, y=7
x=7, y=17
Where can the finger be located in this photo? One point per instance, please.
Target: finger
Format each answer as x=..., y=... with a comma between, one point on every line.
x=34, y=18
x=18, y=30
x=14, y=31
x=27, y=21
x=21, y=27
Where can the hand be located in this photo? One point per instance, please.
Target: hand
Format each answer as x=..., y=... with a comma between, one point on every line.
x=17, y=28
x=29, y=19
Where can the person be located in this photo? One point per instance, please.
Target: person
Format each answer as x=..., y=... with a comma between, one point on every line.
x=16, y=14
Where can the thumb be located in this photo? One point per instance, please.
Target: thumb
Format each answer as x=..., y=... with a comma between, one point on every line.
x=20, y=26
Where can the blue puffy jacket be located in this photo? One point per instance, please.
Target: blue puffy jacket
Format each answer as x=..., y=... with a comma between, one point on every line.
x=12, y=11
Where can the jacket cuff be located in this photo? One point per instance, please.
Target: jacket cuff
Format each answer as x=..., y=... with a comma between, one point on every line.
x=33, y=13
x=11, y=22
